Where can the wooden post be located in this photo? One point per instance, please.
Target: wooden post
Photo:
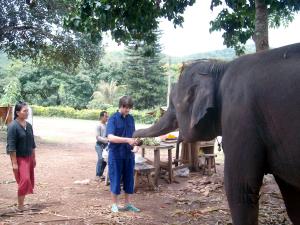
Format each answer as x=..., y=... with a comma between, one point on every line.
x=156, y=165
x=170, y=164
x=190, y=154
x=177, y=154
x=194, y=153
x=150, y=181
x=209, y=165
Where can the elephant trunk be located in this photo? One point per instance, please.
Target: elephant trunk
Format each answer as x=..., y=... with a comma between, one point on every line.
x=164, y=125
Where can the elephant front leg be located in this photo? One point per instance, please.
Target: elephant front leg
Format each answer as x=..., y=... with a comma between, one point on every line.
x=243, y=179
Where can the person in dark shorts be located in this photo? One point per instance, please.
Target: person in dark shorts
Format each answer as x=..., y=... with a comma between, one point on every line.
x=120, y=128
x=21, y=148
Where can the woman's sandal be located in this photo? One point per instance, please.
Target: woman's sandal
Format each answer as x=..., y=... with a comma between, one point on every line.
x=16, y=209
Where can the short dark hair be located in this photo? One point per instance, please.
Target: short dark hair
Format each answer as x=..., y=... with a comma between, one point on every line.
x=102, y=114
x=18, y=108
x=126, y=101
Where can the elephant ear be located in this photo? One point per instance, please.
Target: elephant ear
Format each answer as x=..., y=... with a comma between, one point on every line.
x=204, y=99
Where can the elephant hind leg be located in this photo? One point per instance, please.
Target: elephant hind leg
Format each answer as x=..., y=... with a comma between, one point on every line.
x=244, y=203
x=244, y=171
x=291, y=197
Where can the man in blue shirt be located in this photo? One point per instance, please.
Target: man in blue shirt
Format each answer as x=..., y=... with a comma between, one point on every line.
x=120, y=128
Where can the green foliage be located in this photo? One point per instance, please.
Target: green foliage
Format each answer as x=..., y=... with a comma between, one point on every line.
x=125, y=19
x=106, y=94
x=173, y=70
x=145, y=75
x=237, y=19
x=10, y=86
x=89, y=114
x=11, y=92
x=47, y=86
x=40, y=85
x=78, y=91
x=109, y=70
x=35, y=31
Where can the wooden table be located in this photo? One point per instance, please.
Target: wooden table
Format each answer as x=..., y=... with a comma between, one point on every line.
x=156, y=163
x=143, y=169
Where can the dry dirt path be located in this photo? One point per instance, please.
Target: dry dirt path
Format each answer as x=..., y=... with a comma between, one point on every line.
x=66, y=154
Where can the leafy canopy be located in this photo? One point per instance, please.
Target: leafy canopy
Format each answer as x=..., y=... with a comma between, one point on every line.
x=34, y=30
x=125, y=19
x=237, y=19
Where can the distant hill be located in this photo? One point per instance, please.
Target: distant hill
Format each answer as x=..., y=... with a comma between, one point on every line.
x=119, y=56
x=225, y=54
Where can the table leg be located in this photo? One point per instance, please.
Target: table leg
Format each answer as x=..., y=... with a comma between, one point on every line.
x=195, y=160
x=156, y=165
x=209, y=165
x=150, y=181
x=143, y=152
x=190, y=154
x=170, y=170
x=177, y=153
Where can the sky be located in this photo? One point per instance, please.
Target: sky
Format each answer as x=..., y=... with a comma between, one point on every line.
x=194, y=36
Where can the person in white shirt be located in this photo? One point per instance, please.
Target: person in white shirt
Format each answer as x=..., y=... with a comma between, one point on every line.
x=101, y=144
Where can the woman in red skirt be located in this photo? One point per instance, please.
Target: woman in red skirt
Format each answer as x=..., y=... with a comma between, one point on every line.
x=21, y=148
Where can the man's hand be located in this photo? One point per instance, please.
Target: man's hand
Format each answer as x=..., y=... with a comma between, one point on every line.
x=132, y=141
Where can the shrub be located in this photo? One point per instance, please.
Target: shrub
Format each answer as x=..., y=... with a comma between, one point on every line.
x=87, y=114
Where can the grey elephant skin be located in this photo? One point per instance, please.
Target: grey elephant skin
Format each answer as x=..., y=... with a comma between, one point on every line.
x=253, y=102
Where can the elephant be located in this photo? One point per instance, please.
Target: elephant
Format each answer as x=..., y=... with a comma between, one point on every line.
x=253, y=102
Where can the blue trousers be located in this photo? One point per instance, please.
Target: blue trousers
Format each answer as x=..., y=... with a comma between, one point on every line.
x=100, y=166
x=121, y=169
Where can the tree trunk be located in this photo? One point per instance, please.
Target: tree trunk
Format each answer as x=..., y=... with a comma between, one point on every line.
x=261, y=37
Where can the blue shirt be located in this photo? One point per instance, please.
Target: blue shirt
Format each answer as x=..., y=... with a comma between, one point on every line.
x=121, y=126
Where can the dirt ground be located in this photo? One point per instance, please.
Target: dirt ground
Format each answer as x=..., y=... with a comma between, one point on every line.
x=66, y=154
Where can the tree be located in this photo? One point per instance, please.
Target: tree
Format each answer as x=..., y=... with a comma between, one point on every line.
x=10, y=86
x=145, y=75
x=40, y=85
x=125, y=19
x=106, y=94
x=11, y=92
x=34, y=30
x=242, y=20
x=78, y=91
x=108, y=72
